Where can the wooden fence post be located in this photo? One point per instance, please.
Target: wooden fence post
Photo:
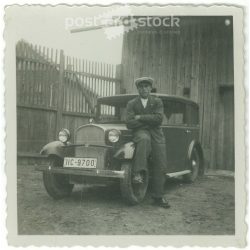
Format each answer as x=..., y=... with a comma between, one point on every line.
x=119, y=88
x=60, y=93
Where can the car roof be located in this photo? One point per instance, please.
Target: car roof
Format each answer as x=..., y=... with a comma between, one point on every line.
x=124, y=98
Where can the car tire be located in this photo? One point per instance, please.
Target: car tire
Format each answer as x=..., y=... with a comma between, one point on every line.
x=194, y=164
x=56, y=185
x=133, y=193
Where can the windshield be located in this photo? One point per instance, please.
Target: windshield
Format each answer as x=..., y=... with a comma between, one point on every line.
x=111, y=113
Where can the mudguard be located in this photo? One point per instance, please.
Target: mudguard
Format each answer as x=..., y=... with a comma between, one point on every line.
x=57, y=148
x=126, y=152
x=196, y=144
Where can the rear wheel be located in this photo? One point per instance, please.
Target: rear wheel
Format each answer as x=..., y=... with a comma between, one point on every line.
x=133, y=193
x=56, y=185
x=194, y=165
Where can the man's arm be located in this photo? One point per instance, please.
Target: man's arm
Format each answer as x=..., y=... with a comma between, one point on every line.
x=131, y=122
x=156, y=118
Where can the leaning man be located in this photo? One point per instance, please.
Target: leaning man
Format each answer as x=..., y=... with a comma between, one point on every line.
x=144, y=117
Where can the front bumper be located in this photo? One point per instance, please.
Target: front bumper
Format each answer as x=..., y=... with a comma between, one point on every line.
x=83, y=172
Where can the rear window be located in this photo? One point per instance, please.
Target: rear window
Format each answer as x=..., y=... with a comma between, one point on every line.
x=178, y=113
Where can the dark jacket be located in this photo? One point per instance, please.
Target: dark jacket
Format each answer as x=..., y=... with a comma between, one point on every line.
x=150, y=117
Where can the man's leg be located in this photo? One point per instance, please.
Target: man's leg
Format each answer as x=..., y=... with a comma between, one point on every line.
x=159, y=171
x=142, y=139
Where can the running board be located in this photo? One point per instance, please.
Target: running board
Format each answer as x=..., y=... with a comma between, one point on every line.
x=175, y=174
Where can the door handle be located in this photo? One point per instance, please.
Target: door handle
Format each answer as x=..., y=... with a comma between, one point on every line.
x=188, y=131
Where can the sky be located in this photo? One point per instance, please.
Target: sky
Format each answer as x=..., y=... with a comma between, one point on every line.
x=50, y=26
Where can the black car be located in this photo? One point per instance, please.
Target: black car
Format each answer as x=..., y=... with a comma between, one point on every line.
x=103, y=150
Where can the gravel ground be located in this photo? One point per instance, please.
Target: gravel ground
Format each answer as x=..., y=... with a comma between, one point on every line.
x=205, y=207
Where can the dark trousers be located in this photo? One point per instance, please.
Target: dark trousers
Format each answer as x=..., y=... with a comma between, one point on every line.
x=145, y=146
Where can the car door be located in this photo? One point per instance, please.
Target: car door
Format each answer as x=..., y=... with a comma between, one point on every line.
x=176, y=133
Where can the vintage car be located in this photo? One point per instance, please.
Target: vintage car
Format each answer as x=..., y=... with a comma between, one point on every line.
x=102, y=151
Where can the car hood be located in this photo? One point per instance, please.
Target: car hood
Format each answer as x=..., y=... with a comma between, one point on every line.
x=105, y=127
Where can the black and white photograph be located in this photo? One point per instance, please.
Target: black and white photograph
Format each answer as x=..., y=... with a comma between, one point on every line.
x=127, y=122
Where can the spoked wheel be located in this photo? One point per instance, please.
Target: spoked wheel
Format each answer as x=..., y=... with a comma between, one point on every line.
x=194, y=166
x=56, y=185
x=133, y=193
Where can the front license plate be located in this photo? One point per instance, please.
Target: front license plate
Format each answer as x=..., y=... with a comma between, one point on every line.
x=70, y=162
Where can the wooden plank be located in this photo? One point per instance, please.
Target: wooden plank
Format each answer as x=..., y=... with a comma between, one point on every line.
x=95, y=80
x=80, y=83
x=105, y=82
x=91, y=82
x=66, y=82
x=35, y=75
x=40, y=75
x=60, y=94
x=50, y=79
x=31, y=76
x=83, y=83
x=41, y=87
x=53, y=97
x=74, y=90
x=25, y=85
x=70, y=86
x=36, y=107
x=77, y=114
x=98, y=80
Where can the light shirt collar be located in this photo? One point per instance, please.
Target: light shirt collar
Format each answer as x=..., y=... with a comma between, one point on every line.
x=144, y=102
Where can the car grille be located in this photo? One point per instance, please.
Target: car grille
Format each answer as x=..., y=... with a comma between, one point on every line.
x=91, y=135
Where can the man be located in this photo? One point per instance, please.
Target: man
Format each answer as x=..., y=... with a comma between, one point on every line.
x=144, y=117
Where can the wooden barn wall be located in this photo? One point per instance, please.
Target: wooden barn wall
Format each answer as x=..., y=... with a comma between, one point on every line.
x=198, y=56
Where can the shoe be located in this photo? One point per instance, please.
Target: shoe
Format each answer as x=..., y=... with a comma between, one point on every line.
x=137, y=179
x=161, y=202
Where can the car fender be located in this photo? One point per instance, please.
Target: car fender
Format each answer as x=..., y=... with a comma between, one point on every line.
x=196, y=144
x=126, y=152
x=56, y=148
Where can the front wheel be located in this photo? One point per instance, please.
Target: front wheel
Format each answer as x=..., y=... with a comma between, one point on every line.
x=56, y=185
x=133, y=193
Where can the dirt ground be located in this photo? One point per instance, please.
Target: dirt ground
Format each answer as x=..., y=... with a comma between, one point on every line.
x=205, y=207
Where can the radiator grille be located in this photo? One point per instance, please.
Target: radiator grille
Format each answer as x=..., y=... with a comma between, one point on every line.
x=90, y=135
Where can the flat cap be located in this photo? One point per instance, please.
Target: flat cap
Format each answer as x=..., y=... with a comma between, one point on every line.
x=144, y=79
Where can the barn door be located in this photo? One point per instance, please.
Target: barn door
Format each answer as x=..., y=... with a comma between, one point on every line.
x=226, y=134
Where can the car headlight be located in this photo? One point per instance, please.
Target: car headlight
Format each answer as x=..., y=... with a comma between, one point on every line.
x=64, y=135
x=114, y=135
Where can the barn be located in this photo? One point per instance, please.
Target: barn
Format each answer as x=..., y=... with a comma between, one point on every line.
x=195, y=60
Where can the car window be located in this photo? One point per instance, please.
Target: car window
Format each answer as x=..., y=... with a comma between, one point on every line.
x=110, y=113
x=175, y=113
x=192, y=114
x=178, y=113
x=107, y=112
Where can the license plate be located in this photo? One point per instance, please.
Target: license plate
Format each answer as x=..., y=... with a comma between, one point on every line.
x=70, y=162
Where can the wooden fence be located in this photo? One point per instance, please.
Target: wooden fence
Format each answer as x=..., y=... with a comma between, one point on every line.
x=56, y=91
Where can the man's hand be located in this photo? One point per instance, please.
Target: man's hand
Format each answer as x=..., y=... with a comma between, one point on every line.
x=137, y=117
